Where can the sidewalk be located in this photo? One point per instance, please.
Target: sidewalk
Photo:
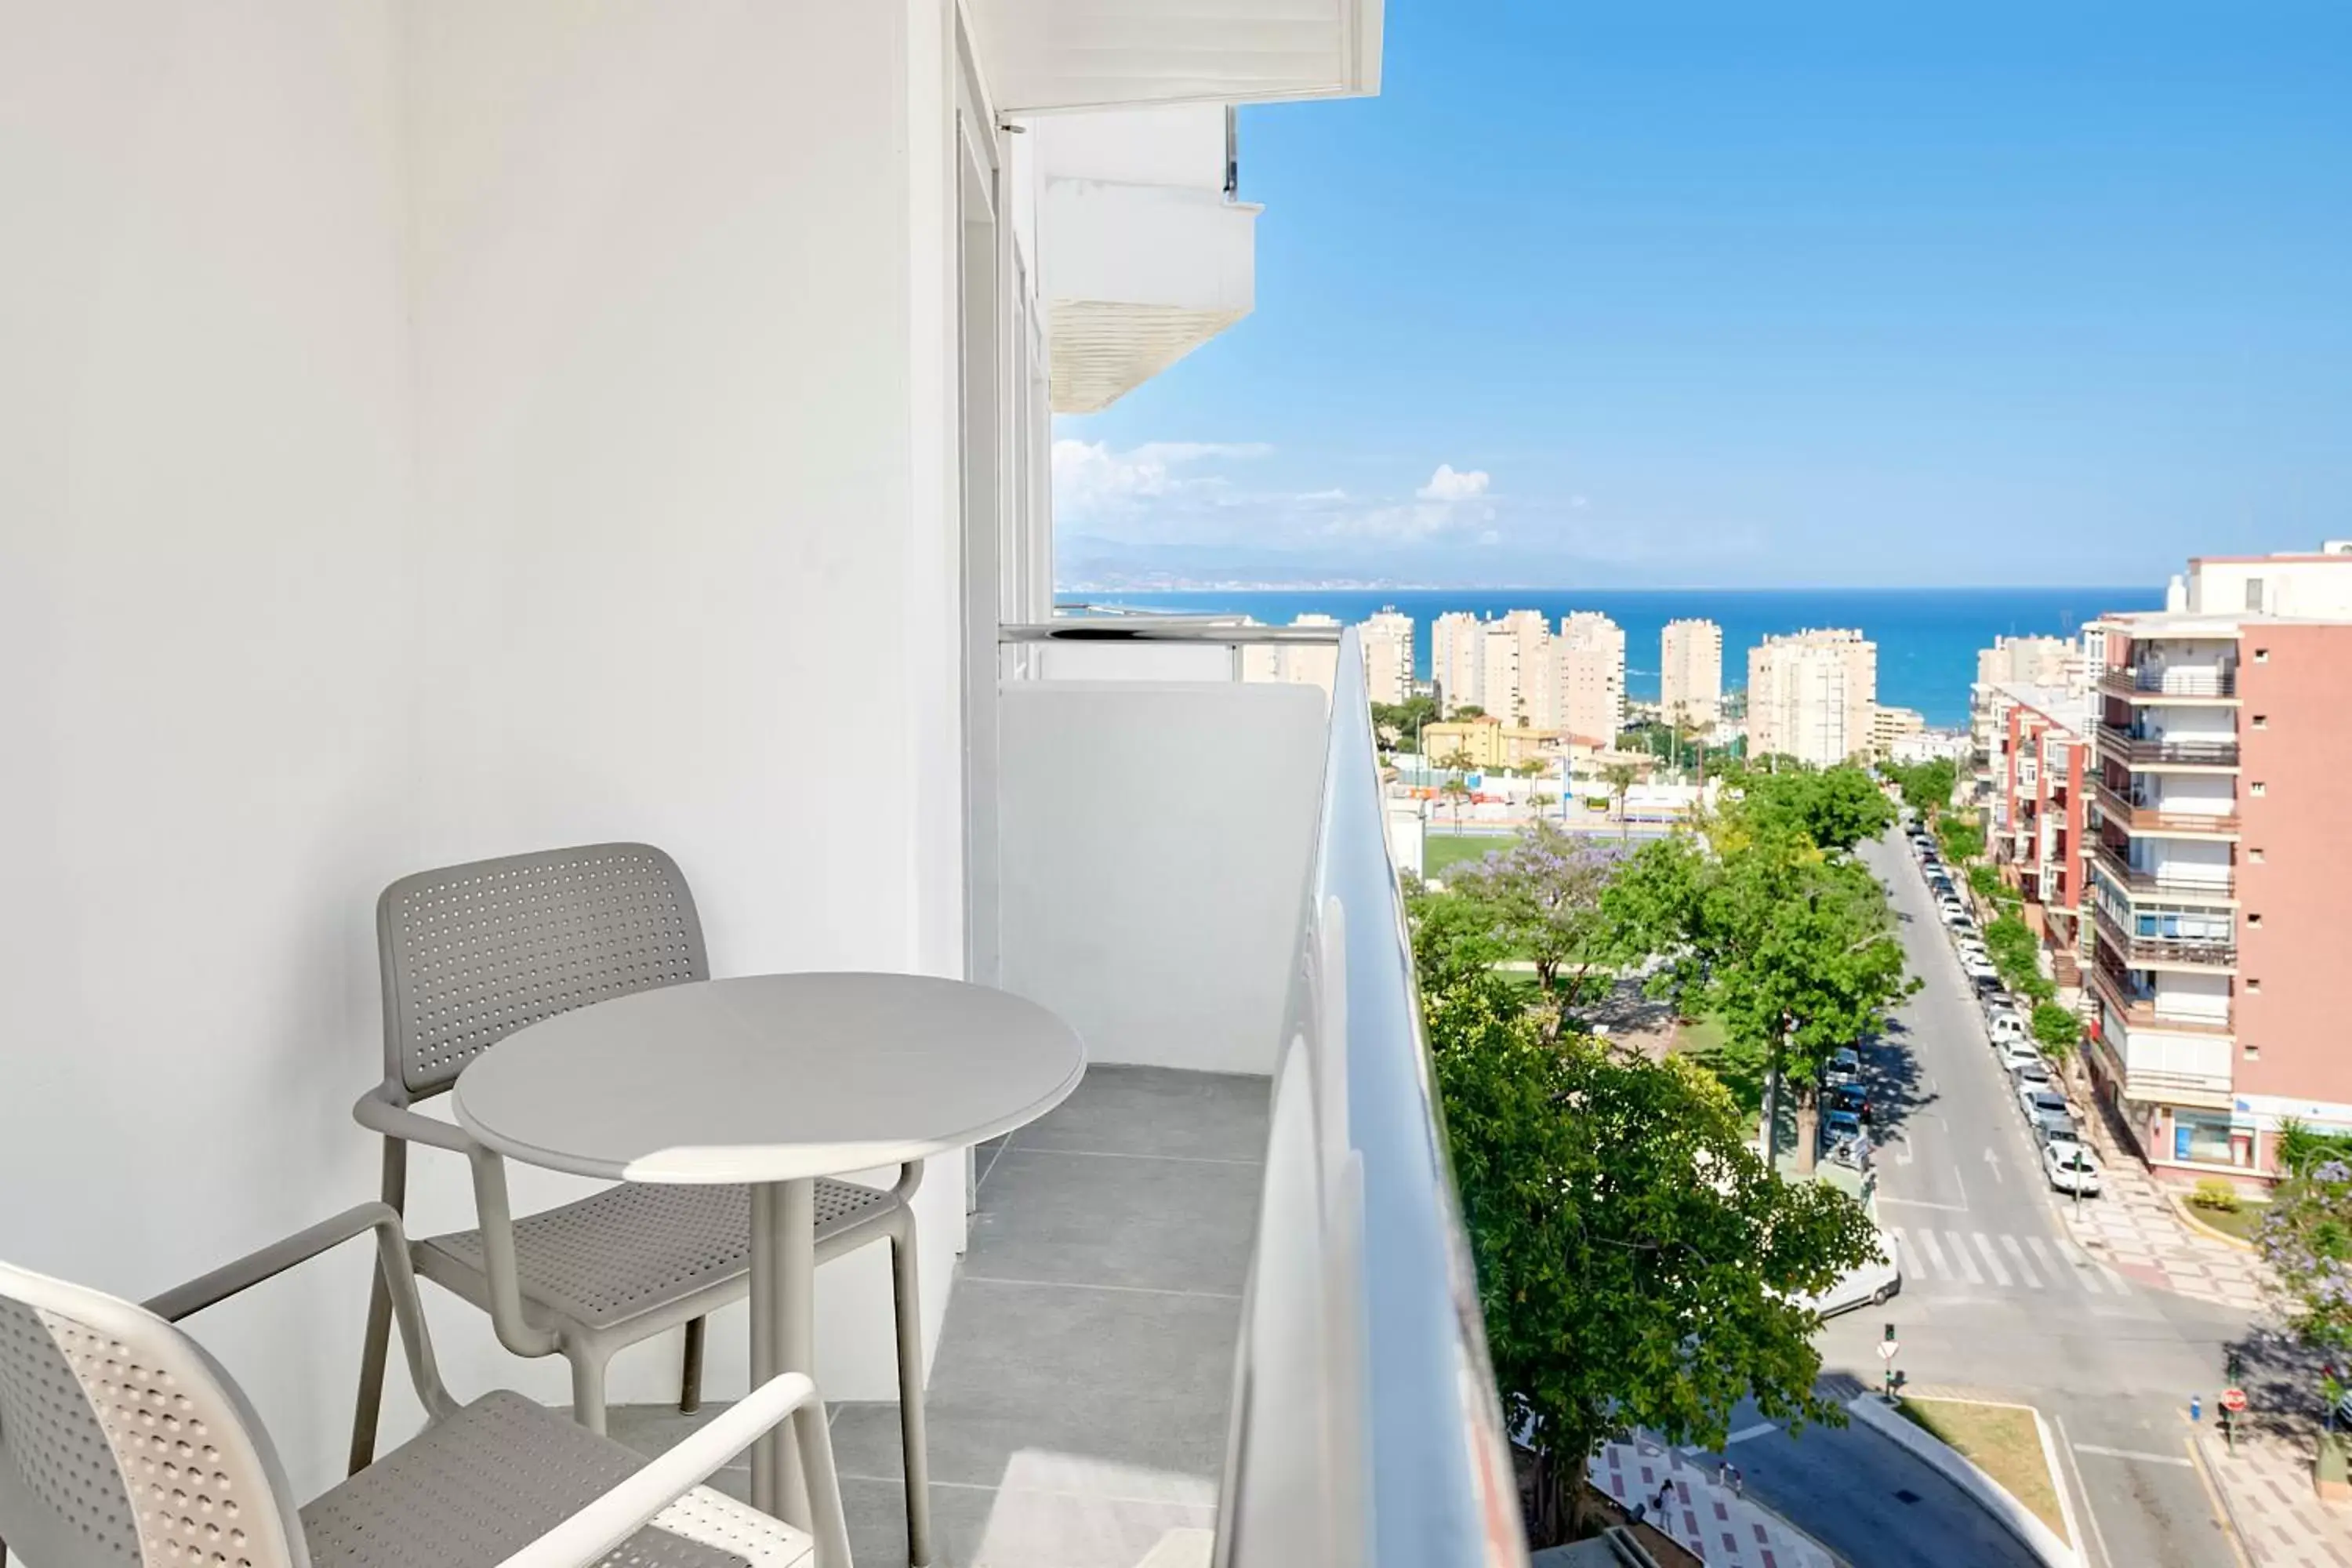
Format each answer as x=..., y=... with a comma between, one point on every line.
x=1723, y=1529
x=2133, y=1229
x=2266, y=1493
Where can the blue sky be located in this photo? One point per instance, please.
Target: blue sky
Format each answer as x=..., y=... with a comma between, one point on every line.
x=1726, y=295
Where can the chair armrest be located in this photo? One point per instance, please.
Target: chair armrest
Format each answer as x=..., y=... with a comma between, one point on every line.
x=375, y=1111
x=627, y=1507
x=269, y=1262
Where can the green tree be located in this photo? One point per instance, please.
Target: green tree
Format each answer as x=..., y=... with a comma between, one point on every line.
x=2010, y=943
x=1398, y=723
x=1963, y=840
x=1636, y=1262
x=1794, y=951
x=2301, y=1145
x=1469, y=711
x=1546, y=892
x=1927, y=786
x=1836, y=809
x=1458, y=936
x=2059, y=1032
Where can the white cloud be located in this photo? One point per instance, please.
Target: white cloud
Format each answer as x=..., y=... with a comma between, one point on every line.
x=1449, y=484
x=1092, y=481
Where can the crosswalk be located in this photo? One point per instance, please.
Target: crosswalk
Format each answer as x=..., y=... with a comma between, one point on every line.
x=2002, y=1262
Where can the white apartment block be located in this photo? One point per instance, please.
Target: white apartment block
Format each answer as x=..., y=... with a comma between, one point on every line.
x=1498, y=671
x=1813, y=695
x=1592, y=673
x=1538, y=698
x=1690, y=673
x=1299, y=664
x=1388, y=656
x=1458, y=660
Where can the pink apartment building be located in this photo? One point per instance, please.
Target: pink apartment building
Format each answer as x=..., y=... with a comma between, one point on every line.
x=2221, y=861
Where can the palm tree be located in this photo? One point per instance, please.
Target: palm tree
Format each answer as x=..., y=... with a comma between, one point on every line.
x=1457, y=761
x=1621, y=777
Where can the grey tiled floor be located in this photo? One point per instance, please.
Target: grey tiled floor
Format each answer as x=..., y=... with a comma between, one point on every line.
x=1078, y=1399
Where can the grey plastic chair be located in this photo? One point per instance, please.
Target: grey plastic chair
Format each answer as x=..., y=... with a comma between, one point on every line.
x=121, y=1441
x=469, y=954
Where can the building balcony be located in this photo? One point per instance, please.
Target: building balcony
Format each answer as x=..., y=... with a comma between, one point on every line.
x=2177, y=683
x=2154, y=821
x=2164, y=952
x=2134, y=752
x=2209, y=885
x=2140, y=1010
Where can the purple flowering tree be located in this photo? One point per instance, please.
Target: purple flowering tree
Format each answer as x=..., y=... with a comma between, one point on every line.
x=2307, y=1238
x=1545, y=894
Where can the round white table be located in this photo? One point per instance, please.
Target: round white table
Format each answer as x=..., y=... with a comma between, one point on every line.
x=772, y=1080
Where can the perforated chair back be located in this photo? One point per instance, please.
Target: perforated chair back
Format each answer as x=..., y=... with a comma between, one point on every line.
x=471, y=953
x=123, y=1441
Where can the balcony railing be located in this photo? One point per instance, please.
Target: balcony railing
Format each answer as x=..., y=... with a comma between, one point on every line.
x=2143, y=681
x=2135, y=817
x=2133, y=752
x=2143, y=952
x=2210, y=883
x=2203, y=1088
x=2140, y=1012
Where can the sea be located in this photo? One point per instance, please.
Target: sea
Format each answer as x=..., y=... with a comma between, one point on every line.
x=1927, y=638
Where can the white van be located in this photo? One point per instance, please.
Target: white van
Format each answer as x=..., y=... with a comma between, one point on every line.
x=1874, y=1284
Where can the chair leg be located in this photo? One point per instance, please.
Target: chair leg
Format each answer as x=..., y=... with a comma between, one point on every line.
x=909, y=1305
x=375, y=1350
x=689, y=1383
x=588, y=1391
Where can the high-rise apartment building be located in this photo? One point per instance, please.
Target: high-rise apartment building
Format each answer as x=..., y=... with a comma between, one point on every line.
x=1498, y=671
x=1811, y=695
x=1303, y=664
x=1458, y=660
x=1690, y=673
x=1388, y=656
x=2035, y=832
x=2221, y=895
x=2056, y=664
x=1592, y=676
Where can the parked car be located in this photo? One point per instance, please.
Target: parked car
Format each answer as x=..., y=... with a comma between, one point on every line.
x=1853, y=1097
x=2061, y=1141
x=1982, y=973
x=1958, y=918
x=2017, y=1054
x=2004, y=1028
x=2056, y=1127
x=2071, y=1169
x=2035, y=1072
x=1844, y=1067
x=1838, y=1126
x=1871, y=1283
x=2034, y=1099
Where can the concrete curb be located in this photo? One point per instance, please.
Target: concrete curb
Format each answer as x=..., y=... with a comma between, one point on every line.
x=1946, y=1461
x=2188, y=1216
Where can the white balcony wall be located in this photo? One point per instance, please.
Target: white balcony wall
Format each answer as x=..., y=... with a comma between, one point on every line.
x=2167, y=722
x=2190, y=795
x=2146, y=1050
x=2183, y=862
x=441, y=429
x=2192, y=997
x=682, y=285
x=1182, y=146
x=1157, y=837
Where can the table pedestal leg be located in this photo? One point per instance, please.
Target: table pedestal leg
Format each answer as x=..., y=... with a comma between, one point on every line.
x=784, y=1339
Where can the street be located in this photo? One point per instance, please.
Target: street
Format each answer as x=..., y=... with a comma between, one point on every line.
x=1997, y=1301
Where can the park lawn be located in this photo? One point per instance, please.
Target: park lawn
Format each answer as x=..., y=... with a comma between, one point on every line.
x=1441, y=852
x=2003, y=1441
x=2241, y=1222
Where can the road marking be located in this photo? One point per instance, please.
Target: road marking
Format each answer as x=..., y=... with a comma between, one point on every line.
x=2221, y=1514
x=1761, y=1429
x=1994, y=1161
x=1960, y=1251
x=2024, y=1269
x=1928, y=1250
x=1992, y=1258
x=2094, y=1274
x=1962, y=1180
x=1903, y=1157
x=2066, y=1446
x=2042, y=1255
x=1922, y=1204
x=2140, y=1456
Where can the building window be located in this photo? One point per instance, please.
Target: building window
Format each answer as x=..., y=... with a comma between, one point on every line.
x=2262, y=721
x=2251, y=920
x=2200, y=1135
x=2253, y=1054
x=2253, y=855
x=2261, y=656
x=2258, y=789
x=2254, y=594
x=2253, y=988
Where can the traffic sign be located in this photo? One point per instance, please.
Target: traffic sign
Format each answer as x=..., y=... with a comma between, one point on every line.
x=2234, y=1400
x=1887, y=1349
